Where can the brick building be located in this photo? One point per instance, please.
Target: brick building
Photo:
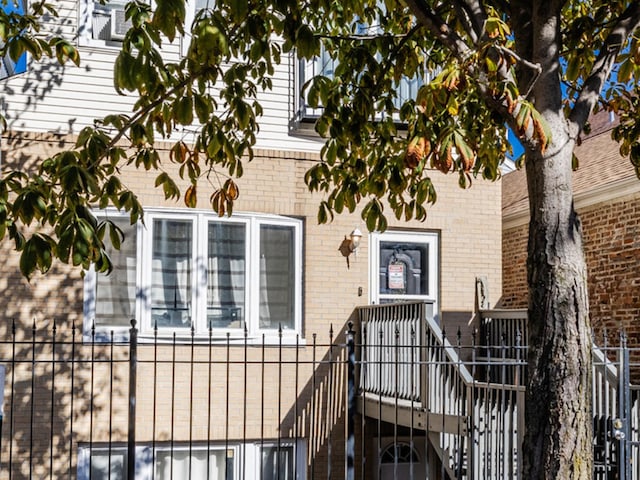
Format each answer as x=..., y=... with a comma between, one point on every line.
x=607, y=198
x=268, y=267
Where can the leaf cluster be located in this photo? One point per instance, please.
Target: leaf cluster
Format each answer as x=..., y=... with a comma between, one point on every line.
x=472, y=66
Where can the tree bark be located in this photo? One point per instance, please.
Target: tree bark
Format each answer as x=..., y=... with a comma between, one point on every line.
x=558, y=402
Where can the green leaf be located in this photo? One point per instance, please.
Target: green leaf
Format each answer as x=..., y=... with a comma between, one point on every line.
x=243, y=114
x=123, y=69
x=183, y=110
x=307, y=44
x=573, y=68
x=43, y=245
x=28, y=258
x=116, y=235
x=239, y=9
x=65, y=51
x=322, y=214
x=169, y=17
x=202, y=107
x=169, y=187
x=625, y=70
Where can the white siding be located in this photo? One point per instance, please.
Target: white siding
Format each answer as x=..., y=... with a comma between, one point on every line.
x=63, y=99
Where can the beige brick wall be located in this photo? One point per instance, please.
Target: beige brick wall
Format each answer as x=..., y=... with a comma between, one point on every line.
x=469, y=225
x=468, y=222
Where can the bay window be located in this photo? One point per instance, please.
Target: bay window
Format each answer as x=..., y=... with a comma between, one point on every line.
x=180, y=271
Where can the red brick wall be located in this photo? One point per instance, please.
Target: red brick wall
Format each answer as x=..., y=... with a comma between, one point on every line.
x=612, y=251
x=514, y=267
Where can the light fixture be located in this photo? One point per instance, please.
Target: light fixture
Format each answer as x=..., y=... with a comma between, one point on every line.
x=354, y=240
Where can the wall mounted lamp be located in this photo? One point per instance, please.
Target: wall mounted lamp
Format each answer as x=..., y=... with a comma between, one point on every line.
x=354, y=240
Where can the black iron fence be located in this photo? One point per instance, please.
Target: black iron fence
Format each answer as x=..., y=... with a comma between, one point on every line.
x=175, y=408
x=391, y=397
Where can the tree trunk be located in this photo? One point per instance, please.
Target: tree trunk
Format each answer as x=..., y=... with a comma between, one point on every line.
x=558, y=404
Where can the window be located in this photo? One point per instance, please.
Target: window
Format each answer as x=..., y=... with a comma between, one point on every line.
x=212, y=464
x=324, y=65
x=104, y=23
x=399, y=453
x=277, y=462
x=114, y=295
x=103, y=463
x=404, y=266
x=235, y=461
x=402, y=459
x=184, y=270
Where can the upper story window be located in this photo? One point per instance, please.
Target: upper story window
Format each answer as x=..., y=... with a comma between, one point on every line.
x=184, y=270
x=102, y=24
x=105, y=24
x=324, y=65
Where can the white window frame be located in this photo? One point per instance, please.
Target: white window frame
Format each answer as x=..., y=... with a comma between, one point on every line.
x=90, y=289
x=254, y=456
x=249, y=453
x=429, y=238
x=307, y=69
x=85, y=24
x=200, y=221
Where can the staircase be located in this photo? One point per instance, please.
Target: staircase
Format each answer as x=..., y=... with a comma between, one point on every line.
x=469, y=399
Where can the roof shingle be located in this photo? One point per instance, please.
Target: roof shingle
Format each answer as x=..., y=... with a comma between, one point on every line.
x=599, y=164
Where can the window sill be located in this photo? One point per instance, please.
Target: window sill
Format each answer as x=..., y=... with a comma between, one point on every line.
x=288, y=339
x=112, y=45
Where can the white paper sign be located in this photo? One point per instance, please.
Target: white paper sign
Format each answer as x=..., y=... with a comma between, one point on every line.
x=396, y=276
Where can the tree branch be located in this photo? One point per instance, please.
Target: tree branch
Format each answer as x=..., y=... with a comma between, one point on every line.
x=464, y=15
x=628, y=22
x=522, y=30
x=535, y=67
x=477, y=16
x=445, y=34
x=360, y=37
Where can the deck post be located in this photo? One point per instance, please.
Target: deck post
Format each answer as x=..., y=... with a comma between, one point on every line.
x=425, y=312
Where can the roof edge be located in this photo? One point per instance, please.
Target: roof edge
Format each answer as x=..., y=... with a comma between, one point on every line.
x=605, y=193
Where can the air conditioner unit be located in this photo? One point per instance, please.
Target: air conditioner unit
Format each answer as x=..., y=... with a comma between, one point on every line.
x=119, y=26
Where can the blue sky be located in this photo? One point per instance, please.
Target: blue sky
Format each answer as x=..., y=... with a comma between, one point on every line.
x=515, y=144
x=21, y=64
